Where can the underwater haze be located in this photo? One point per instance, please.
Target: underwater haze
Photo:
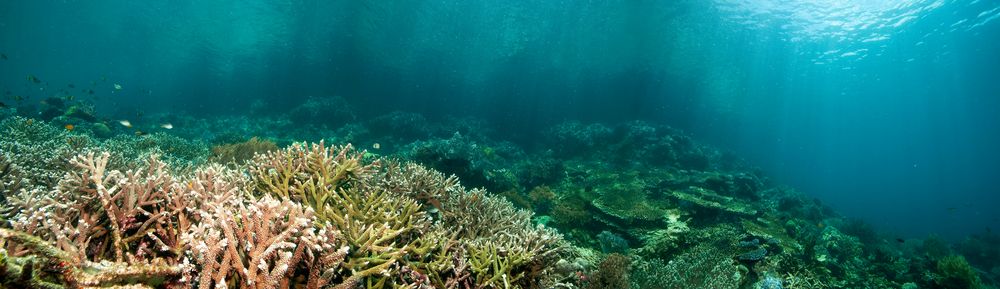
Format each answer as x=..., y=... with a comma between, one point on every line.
x=884, y=111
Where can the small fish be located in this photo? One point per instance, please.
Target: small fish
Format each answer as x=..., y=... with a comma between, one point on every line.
x=71, y=85
x=900, y=240
x=34, y=79
x=90, y=91
x=139, y=133
x=69, y=127
x=167, y=126
x=376, y=146
x=125, y=123
x=2, y=104
x=952, y=209
x=70, y=97
x=820, y=225
x=118, y=86
x=18, y=98
x=3, y=56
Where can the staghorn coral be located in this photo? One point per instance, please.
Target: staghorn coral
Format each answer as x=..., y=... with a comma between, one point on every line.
x=152, y=214
x=379, y=227
x=106, y=227
x=405, y=224
x=253, y=243
x=92, y=209
x=10, y=186
x=58, y=270
x=137, y=228
x=498, y=225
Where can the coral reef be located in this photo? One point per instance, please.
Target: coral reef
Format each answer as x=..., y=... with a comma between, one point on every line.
x=127, y=151
x=612, y=273
x=384, y=212
x=39, y=150
x=635, y=205
x=309, y=215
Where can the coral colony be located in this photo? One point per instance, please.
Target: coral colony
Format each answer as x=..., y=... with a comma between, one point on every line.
x=235, y=202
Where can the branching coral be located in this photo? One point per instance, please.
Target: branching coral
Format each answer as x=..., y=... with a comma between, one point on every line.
x=384, y=209
x=378, y=226
x=307, y=216
x=254, y=244
x=498, y=226
x=107, y=226
x=10, y=186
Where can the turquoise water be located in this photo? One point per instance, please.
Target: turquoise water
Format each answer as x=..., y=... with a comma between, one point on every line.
x=885, y=111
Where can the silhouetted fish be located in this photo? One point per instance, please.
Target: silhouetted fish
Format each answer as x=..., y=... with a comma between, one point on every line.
x=900, y=240
x=2, y=104
x=3, y=56
x=34, y=79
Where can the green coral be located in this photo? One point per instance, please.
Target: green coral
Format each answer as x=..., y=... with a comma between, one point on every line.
x=954, y=272
x=385, y=210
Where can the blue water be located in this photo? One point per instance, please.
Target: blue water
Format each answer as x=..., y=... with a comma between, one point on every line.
x=885, y=110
